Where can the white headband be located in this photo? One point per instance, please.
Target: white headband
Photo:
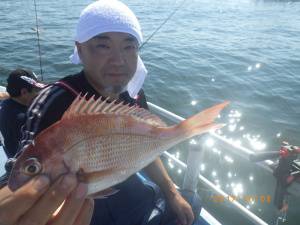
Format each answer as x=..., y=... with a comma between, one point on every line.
x=110, y=16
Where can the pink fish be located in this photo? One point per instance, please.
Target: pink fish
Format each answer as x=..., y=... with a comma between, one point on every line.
x=104, y=143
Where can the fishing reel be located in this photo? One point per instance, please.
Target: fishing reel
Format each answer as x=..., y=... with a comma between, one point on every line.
x=286, y=172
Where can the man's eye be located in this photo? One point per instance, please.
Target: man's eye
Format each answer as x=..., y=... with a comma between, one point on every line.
x=102, y=46
x=130, y=47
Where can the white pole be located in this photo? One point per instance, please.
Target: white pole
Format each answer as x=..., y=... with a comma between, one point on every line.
x=193, y=168
x=243, y=210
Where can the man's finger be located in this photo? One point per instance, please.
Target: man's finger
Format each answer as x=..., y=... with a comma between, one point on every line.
x=42, y=211
x=14, y=204
x=85, y=215
x=72, y=206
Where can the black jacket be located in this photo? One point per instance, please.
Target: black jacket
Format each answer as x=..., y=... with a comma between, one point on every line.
x=12, y=117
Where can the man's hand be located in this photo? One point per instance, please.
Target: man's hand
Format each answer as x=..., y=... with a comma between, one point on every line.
x=157, y=172
x=181, y=208
x=36, y=202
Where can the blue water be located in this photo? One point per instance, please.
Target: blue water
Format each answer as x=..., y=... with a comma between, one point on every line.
x=244, y=51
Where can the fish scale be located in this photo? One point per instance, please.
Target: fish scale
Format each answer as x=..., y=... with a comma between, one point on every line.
x=114, y=150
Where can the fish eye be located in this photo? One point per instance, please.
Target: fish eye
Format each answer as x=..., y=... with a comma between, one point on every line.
x=32, y=166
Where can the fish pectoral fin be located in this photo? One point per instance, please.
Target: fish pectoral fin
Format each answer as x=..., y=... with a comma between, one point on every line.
x=104, y=193
x=90, y=177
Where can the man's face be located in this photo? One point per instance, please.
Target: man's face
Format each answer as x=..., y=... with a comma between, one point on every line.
x=27, y=96
x=109, y=60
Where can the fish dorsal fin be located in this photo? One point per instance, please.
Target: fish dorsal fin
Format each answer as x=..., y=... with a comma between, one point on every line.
x=81, y=106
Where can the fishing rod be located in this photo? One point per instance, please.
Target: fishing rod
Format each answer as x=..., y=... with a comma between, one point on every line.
x=38, y=39
x=163, y=23
x=287, y=174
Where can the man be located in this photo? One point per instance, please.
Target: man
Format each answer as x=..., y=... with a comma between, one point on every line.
x=22, y=87
x=107, y=40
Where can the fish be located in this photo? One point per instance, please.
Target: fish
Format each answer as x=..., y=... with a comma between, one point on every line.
x=104, y=142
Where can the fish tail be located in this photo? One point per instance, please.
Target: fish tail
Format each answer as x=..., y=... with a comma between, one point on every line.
x=201, y=122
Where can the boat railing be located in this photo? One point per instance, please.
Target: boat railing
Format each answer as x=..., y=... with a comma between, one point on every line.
x=192, y=167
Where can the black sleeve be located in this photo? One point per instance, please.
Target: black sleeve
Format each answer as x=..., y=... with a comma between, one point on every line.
x=54, y=111
x=10, y=139
x=10, y=130
x=47, y=108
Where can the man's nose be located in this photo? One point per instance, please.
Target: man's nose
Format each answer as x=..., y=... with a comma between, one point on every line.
x=117, y=57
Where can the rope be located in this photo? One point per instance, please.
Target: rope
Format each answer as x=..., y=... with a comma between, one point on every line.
x=163, y=23
x=38, y=39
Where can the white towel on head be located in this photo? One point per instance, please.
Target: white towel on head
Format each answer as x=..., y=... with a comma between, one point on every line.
x=137, y=81
x=107, y=16
x=110, y=16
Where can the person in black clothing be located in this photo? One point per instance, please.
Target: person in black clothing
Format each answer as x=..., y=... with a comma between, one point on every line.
x=22, y=87
x=107, y=39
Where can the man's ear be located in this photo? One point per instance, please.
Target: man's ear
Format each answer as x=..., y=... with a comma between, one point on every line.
x=79, y=50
